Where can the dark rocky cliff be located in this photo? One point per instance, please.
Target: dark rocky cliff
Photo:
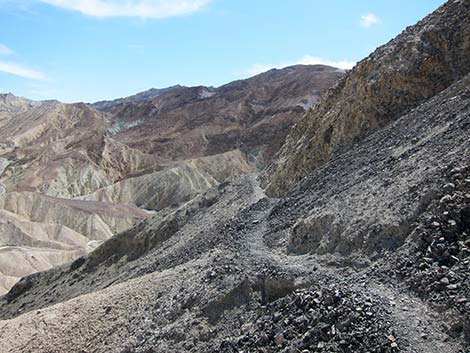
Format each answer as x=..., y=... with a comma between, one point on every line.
x=421, y=62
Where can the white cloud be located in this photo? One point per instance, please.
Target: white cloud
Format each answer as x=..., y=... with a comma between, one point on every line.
x=131, y=8
x=4, y=50
x=312, y=60
x=19, y=70
x=369, y=20
x=305, y=60
x=259, y=68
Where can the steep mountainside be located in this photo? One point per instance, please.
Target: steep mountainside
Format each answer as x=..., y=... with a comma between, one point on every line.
x=252, y=114
x=72, y=176
x=369, y=252
x=420, y=62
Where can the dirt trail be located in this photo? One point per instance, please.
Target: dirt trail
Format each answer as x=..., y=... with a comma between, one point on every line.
x=415, y=324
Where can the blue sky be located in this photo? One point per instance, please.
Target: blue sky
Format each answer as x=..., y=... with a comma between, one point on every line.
x=88, y=50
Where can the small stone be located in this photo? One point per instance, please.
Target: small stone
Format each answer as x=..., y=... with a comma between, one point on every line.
x=449, y=187
x=455, y=329
x=436, y=224
x=300, y=320
x=391, y=338
x=445, y=281
x=424, y=336
x=394, y=345
x=307, y=336
x=279, y=339
x=446, y=199
x=452, y=286
x=423, y=266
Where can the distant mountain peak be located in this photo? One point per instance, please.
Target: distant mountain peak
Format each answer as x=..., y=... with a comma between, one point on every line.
x=209, y=91
x=107, y=105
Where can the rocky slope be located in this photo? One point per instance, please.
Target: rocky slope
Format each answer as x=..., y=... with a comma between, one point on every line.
x=397, y=77
x=252, y=114
x=177, y=184
x=368, y=253
x=72, y=176
x=50, y=153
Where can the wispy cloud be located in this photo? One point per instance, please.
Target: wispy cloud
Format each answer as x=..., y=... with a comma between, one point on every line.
x=21, y=71
x=17, y=69
x=305, y=60
x=4, y=50
x=131, y=8
x=369, y=20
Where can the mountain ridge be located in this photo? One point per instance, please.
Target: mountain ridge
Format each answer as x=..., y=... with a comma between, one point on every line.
x=107, y=105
